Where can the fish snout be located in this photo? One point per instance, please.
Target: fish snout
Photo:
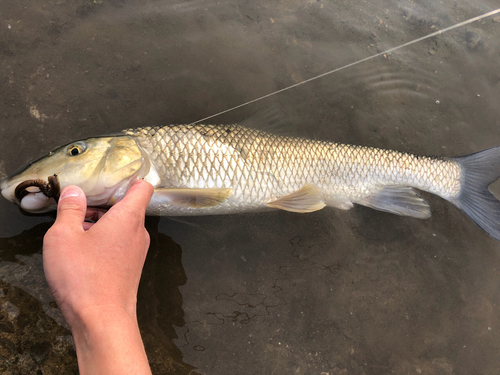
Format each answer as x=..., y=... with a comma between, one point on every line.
x=7, y=190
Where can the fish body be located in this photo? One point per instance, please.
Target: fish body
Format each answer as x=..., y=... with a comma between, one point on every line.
x=263, y=170
x=222, y=169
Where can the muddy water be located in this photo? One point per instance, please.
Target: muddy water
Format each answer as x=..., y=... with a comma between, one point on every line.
x=356, y=292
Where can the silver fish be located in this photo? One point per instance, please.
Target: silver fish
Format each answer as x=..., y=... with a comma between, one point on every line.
x=222, y=169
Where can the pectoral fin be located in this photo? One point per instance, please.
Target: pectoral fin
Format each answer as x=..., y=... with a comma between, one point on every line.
x=399, y=200
x=195, y=198
x=307, y=199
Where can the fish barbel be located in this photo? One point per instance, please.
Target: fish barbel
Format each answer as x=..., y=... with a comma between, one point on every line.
x=222, y=169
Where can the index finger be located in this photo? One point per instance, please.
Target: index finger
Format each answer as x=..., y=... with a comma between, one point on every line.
x=138, y=197
x=129, y=212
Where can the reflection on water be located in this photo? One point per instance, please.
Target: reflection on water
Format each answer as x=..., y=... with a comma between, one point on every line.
x=358, y=292
x=160, y=302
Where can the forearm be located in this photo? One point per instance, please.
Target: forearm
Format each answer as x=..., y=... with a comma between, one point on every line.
x=109, y=342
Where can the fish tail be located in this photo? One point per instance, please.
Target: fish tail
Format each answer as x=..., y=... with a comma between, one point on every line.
x=478, y=171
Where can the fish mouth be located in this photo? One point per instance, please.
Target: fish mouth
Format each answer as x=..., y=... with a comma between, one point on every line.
x=37, y=195
x=51, y=189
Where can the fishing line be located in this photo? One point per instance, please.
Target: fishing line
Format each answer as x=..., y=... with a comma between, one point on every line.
x=386, y=52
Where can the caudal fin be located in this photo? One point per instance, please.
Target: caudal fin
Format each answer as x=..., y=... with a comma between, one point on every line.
x=479, y=170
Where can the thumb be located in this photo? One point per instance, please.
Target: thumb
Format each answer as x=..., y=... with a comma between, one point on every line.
x=71, y=207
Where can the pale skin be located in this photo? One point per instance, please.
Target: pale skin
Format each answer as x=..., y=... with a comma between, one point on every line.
x=93, y=271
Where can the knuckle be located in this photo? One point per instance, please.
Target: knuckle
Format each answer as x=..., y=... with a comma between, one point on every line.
x=53, y=236
x=57, y=231
x=71, y=206
x=147, y=239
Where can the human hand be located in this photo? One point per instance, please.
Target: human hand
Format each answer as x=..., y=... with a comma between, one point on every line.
x=93, y=271
x=91, y=266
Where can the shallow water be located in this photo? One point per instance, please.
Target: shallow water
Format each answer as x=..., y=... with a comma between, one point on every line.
x=356, y=292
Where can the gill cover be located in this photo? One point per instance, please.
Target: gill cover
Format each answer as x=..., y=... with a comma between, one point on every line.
x=103, y=167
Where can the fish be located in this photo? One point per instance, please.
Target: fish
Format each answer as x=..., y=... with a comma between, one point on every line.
x=222, y=169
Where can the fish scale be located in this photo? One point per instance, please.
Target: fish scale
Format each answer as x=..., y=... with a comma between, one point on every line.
x=262, y=168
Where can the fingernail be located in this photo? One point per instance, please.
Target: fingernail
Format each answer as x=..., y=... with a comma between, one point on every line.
x=66, y=193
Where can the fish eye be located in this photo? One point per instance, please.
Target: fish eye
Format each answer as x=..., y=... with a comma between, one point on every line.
x=76, y=148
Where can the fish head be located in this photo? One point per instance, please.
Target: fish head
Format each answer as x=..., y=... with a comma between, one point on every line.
x=104, y=168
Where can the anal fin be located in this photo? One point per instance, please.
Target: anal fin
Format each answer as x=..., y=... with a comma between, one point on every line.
x=307, y=199
x=399, y=200
x=195, y=198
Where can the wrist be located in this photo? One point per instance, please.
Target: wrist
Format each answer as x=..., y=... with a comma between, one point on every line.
x=92, y=317
x=108, y=341
x=82, y=313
